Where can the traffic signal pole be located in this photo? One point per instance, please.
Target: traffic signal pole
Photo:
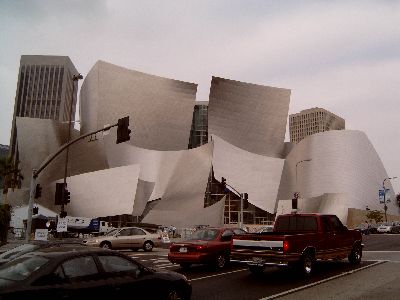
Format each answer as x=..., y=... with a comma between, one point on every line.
x=36, y=172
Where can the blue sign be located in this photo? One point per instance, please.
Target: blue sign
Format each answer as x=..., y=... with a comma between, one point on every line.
x=381, y=196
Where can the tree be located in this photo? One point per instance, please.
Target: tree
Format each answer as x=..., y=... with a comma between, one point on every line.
x=375, y=215
x=5, y=217
x=12, y=176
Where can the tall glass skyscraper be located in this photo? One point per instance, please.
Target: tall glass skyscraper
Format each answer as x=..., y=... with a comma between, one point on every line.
x=199, y=130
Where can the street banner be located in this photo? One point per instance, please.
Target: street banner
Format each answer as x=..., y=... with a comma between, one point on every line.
x=381, y=196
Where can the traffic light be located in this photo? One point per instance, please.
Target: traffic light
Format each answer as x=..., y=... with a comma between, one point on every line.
x=223, y=184
x=35, y=210
x=245, y=201
x=38, y=191
x=295, y=200
x=67, y=196
x=123, y=131
x=59, y=199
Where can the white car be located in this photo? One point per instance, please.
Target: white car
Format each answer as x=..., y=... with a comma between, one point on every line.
x=126, y=238
x=389, y=228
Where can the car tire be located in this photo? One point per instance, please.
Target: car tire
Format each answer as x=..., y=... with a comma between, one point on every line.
x=355, y=255
x=256, y=270
x=185, y=265
x=220, y=261
x=106, y=245
x=173, y=294
x=148, y=246
x=306, y=264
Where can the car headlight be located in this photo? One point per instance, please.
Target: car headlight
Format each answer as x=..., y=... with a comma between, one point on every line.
x=96, y=241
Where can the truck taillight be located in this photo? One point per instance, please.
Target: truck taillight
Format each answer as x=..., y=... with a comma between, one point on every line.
x=285, y=246
x=199, y=247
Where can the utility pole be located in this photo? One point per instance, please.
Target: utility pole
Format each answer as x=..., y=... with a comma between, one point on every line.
x=36, y=172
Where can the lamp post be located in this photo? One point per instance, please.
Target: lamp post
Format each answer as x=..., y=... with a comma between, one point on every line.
x=75, y=78
x=384, y=195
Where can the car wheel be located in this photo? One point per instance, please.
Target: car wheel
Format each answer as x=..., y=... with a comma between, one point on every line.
x=306, y=266
x=106, y=245
x=173, y=295
x=355, y=255
x=220, y=261
x=256, y=270
x=148, y=246
x=185, y=265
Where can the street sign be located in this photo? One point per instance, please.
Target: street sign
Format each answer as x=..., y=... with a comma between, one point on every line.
x=62, y=225
x=41, y=234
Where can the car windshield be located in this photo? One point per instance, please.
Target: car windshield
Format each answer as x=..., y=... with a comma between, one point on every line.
x=386, y=224
x=17, y=251
x=266, y=229
x=204, y=234
x=22, y=268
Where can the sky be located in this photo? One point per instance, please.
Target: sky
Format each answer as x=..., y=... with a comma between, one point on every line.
x=343, y=56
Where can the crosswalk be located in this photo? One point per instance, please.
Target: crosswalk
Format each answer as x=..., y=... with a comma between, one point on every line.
x=151, y=259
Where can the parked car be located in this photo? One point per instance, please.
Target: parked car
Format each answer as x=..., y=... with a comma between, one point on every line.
x=389, y=227
x=298, y=240
x=205, y=246
x=33, y=246
x=126, y=238
x=87, y=273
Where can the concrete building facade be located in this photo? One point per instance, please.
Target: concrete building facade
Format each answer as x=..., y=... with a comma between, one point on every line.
x=311, y=121
x=44, y=90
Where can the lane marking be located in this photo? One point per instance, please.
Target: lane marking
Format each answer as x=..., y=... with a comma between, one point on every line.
x=396, y=251
x=163, y=265
x=322, y=281
x=216, y=275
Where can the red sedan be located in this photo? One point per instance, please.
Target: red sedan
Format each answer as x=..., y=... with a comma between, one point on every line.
x=205, y=246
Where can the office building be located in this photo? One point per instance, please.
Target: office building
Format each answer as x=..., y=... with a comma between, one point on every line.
x=199, y=130
x=44, y=90
x=311, y=121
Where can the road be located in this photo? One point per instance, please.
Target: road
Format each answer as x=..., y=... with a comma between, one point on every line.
x=381, y=256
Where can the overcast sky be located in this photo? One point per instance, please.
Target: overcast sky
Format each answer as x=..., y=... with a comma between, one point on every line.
x=343, y=56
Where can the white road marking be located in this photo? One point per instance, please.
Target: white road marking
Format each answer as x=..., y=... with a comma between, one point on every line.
x=319, y=282
x=216, y=275
x=364, y=251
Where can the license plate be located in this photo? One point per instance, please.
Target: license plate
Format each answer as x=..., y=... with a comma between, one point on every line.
x=183, y=249
x=258, y=260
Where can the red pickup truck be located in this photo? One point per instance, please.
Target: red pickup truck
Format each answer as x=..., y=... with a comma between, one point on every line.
x=298, y=240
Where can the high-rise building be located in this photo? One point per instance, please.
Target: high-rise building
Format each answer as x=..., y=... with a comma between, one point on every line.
x=3, y=154
x=44, y=90
x=311, y=121
x=199, y=131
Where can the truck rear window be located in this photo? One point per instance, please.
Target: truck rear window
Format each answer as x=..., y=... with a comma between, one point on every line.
x=296, y=223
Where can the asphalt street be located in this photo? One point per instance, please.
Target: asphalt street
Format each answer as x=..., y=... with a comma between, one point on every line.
x=377, y=277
